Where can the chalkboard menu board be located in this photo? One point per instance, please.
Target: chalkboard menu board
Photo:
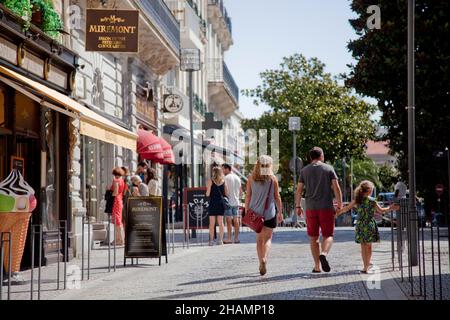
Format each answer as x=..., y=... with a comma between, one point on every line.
x=144, y=228
x=196, y=205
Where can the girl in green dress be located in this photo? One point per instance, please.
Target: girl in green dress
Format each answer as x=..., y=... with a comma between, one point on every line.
x=366, y=230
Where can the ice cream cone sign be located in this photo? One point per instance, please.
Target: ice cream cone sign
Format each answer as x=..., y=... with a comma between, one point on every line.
x=16, y=195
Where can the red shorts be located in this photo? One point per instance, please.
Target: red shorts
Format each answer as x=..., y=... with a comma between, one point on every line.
x=322, y=219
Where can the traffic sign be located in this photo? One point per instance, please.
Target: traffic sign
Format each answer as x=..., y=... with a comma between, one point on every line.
x=439, y=189
x=294, y=123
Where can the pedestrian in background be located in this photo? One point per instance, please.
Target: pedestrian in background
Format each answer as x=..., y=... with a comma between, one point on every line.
x=366, y=230
x=142, y=170
x=140, y=189
x=152, y=183
x=320, y=181
x=263, y=197
x=216, y=190
x=118, y=187
x=128, y=192
x=234, y=186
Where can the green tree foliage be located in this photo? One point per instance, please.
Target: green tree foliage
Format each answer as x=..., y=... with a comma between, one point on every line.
x=389, y=176
x=381, y=73
x=331, y=117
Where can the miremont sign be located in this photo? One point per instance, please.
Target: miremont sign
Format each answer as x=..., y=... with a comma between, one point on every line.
x=112, y=30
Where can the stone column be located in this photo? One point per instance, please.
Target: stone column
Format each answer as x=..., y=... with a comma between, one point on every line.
x=78, y=208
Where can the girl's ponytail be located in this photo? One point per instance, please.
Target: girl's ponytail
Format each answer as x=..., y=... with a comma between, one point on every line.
x=361, y=190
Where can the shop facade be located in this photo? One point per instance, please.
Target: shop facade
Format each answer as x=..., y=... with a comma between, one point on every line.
x=34, y=131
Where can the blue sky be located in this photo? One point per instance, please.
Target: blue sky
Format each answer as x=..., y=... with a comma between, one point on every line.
x=265, y=31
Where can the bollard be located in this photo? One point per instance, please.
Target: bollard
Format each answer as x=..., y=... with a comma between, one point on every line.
x=439, y=261
x=82, y=248
x=2, y=260
x=40, y=262
x=59, y=258
x=89, y=251
x=33, y=234
x=115, y=238
x=423, y=263
x=432, y=261
x=109, y=243
x=63, y=225
x=420, y=264
x=392, y=241
x=32, y=262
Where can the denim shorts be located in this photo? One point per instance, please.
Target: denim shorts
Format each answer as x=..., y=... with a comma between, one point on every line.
x=232, y=212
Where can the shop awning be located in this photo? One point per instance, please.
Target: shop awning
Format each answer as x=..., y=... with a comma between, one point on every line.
x=169, y=157
x=91, y=123
x=149, y=146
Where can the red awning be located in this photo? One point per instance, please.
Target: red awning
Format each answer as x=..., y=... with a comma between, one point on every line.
x=149, y=146
x=169, y=157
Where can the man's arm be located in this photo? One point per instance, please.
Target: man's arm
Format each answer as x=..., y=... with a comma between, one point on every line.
x=337, y=193
x=298, y=199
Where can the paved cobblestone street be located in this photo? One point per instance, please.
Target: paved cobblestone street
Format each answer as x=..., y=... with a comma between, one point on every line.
x=231, y=272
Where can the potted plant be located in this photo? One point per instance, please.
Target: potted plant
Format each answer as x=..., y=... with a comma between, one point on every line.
x=22, y=8
x=45, y=17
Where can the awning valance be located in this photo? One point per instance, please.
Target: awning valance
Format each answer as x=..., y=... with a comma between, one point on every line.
x=91, y=123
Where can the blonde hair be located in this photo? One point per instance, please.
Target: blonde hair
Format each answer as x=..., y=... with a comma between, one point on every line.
x=217, y=175
x=361, y=190
x=263, y=169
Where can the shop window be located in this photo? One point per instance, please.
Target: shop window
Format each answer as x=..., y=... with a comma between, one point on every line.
x=27, y=115
x=98, y=158
x=51, y=218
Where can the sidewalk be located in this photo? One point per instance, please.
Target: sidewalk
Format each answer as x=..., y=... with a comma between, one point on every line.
x=229, y=272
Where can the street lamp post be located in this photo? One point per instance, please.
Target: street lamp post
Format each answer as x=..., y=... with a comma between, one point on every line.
x=412, y=132
x=190, y=62
x=294, y=126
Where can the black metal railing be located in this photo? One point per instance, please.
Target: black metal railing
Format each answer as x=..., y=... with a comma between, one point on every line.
x=158, y=12
x=230, y=82
x=224, y=13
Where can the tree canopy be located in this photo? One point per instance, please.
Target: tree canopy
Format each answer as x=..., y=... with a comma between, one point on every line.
x=381, y=73
x=331, y=116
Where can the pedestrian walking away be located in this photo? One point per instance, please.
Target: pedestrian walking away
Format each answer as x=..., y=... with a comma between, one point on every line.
x=366, y=229
x=263, y=197
x=319, y=181
x=216, y=190
x=234, y=186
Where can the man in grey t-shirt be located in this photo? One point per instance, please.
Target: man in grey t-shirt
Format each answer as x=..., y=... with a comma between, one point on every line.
x=319, y=182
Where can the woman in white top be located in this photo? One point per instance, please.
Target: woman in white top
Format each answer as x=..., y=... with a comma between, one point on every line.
x=152, y=182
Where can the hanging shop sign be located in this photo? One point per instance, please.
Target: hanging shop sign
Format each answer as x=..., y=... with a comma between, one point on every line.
x=173, y=103
x=196, y=204
x=112, y=30
x=190, y=60
x=144, y=228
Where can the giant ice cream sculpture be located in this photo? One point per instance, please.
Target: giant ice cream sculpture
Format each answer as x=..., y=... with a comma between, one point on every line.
x=17, y=202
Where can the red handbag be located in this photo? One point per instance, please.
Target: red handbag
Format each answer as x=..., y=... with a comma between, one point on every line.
x=254, y=220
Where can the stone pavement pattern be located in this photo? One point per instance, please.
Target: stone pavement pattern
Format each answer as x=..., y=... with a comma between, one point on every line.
x=231, y=272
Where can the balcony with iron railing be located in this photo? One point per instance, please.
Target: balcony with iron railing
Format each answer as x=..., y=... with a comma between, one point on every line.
x=223, y=89
x=221, y=22
x=160, y=14
x=230, y=83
